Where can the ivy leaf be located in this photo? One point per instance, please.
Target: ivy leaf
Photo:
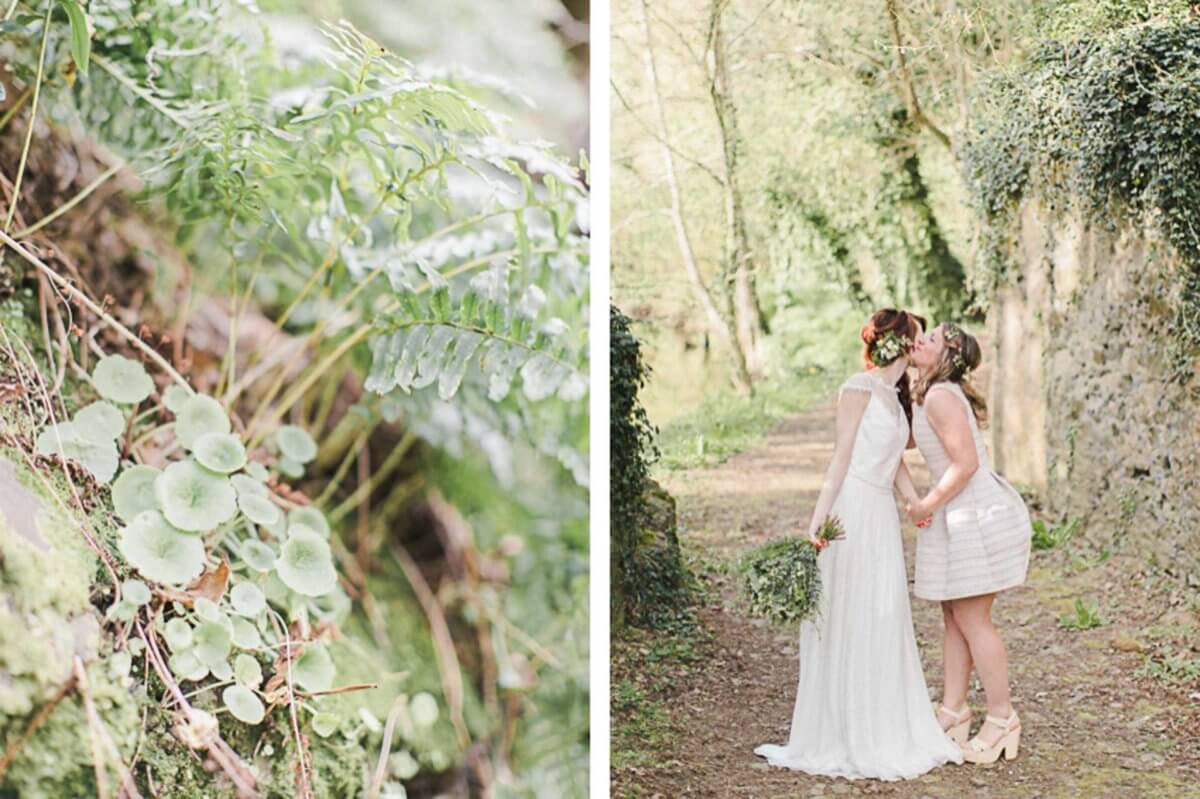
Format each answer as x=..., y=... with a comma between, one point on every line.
x=81, y=39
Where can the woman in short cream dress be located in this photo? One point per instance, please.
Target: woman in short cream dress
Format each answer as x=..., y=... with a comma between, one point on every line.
x=978, y=542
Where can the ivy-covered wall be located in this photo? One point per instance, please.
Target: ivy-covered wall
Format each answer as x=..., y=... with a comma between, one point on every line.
x=1084, y=165
x=1086, y=405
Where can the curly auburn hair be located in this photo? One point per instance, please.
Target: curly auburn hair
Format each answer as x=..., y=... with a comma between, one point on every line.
x=960, y=357
x=903, y=324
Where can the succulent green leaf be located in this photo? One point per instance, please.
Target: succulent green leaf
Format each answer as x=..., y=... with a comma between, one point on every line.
x=247, y=599
x=122, y=611
x=258, y=555
x=178, y=634
x=306, y=564
x=310, y=517
x=245, y=634
x=295, y=443
x=220, y=452
x=247, y=670
x=258, y=471
x=314, y=669
x=187, y=666
x=100, y=422
x=243, y=704
x=133, y=491
x=206, y=609
x=213, y=641
x=99, y=458
x=198, y=416
x=174, y=398
x=193, y=498
x=290, y=468
x=259, y=510
x=325, y=724
x=159, y=551
x=423, y=708
x=120, y=662
x=245, y=484
x=222, y=670
x=403, y=764
x=135, y=591
x=121, y=380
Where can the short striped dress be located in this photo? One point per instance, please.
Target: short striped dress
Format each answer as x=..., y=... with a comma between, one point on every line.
x=979, y=541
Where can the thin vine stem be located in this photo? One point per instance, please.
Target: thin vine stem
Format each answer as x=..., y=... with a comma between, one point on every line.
x=87, y=302
x=37, y=94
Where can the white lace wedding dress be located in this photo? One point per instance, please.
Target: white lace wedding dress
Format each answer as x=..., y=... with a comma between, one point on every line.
x=862, y=707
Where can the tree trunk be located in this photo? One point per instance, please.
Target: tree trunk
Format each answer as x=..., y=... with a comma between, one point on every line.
x=739, y=260
x=716, y=321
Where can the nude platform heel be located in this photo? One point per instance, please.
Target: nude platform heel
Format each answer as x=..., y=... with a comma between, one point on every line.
x=1009, y=743
x=962, y=723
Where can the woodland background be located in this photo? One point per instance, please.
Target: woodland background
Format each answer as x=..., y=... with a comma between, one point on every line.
x=780, y=169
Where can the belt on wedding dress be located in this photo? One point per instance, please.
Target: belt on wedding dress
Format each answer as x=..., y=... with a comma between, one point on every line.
x=859, y=476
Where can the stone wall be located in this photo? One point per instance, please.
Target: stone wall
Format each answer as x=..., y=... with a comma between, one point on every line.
x=1083, y=408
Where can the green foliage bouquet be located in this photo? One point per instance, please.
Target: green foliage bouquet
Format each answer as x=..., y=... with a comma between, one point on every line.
x=781, y=576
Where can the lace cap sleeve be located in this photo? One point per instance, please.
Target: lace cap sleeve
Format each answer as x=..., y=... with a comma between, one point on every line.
x=857, y=382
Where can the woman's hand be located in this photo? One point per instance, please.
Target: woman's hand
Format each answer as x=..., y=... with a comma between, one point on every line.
x=919, y=512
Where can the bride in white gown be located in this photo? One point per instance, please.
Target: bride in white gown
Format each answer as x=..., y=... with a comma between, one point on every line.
x=862, y=707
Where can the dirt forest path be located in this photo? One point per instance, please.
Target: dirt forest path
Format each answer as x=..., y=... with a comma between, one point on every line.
x=1093, y=727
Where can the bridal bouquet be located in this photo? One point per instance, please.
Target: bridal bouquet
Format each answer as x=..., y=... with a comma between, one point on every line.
x=781, y=576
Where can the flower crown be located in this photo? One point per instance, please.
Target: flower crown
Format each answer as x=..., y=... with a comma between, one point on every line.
x=888, y=348
x=960, y=363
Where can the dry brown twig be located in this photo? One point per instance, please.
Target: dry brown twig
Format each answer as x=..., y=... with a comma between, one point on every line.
x=198, y=730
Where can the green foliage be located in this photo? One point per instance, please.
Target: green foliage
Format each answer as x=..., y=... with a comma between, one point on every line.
x=727, y=423
x=782, y=580
x=649, y=582
x=1107, y=124
x=362, y=201
x=1173, y=667
x=1086, y=617
x=1054, y=535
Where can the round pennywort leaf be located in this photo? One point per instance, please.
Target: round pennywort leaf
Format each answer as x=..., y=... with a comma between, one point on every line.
x=198, y=416
x=133, y=491
x=308, y=516
x=295, y=443
x=193, y=498
x=161, y=552
x=314, y=669
x=243, y=704
x=220, y=452
x=247, y=599
x=121, y=380
x=306, y=563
